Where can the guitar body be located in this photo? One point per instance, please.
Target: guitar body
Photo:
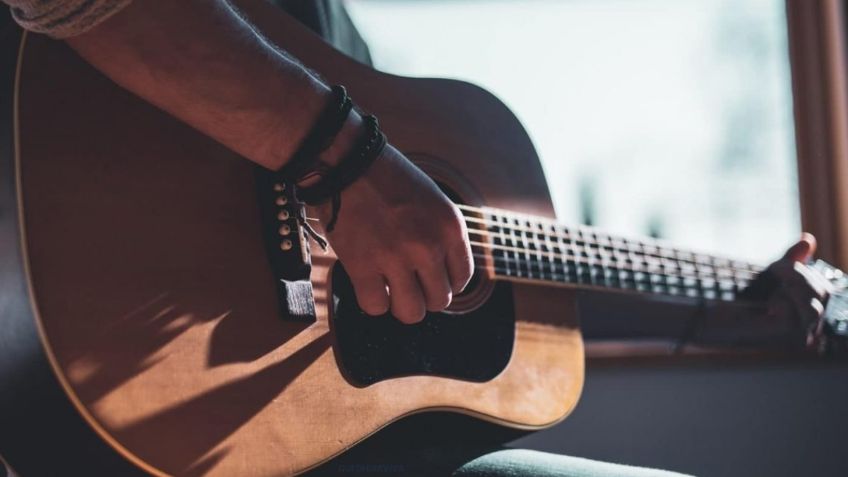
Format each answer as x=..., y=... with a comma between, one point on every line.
x=136, y=269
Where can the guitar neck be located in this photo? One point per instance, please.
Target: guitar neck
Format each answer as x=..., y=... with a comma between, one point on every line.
x=519, y=247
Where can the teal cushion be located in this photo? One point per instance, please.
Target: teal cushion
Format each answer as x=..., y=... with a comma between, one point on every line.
x=527, y=463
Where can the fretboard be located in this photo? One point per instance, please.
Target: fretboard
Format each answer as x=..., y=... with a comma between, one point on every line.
x=521, y=247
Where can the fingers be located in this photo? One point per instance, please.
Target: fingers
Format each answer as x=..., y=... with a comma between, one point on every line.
x=812, y=280
x=407, y=299
x=436, y=285
x=799, y=279
x=460, y=267
x=409, y=293
x=803, y=250
x=371, y=293
x=421, y=275
x=806, y=289
x=808, y=306
x=459, y=261
x=398, y=225
x=781, y=306
x=811, y=240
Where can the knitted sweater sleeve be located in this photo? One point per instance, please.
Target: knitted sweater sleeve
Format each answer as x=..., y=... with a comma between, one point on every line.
x=63, y=18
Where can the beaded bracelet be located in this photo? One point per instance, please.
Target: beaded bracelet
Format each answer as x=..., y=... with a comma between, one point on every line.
x=347, y=171
x=320, y=137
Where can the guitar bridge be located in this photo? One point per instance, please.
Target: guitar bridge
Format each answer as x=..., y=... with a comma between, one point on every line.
x=287, y=245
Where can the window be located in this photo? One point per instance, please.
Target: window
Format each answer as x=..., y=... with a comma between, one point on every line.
x=670, y=118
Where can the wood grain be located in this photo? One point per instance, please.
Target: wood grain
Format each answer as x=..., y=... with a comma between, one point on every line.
x=154, y=292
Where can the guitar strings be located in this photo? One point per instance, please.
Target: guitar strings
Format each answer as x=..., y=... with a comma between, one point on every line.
x=562, y=231
x=598, y=259
x=567, y=235
x=506, y=234
x=536, y=262
x=536, y=232
x=601, y=257
x=546, y=221
x=504, y=273
x=553, y=223
x=660, y=258
x=541, y=257
x=682, y=290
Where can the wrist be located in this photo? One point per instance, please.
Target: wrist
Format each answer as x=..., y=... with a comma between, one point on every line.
x=345, y=141
x=281, y=139
x=329, y=181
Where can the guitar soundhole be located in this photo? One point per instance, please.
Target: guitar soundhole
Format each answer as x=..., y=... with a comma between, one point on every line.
x=473, y=346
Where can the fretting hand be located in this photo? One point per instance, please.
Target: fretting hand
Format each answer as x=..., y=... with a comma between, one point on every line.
x=796, y=293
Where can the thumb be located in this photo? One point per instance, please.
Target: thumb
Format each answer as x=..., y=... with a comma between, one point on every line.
x=803, y=250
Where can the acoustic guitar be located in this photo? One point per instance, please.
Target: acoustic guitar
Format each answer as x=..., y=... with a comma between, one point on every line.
x=142, y=330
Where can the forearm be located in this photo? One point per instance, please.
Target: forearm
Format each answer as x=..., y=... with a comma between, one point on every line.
x=199, y=61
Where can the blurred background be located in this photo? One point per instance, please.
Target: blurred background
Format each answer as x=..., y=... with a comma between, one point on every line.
x=668, y=118
x=720, y=125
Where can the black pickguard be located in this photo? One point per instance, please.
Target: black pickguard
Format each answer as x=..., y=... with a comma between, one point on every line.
x=475, y=346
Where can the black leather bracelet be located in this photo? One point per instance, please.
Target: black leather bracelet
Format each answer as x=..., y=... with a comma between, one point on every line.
x=320, y=137
x=349, y=169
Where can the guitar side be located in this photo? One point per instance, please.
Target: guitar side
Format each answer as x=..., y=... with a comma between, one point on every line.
x=42, y=431
x=151, y=292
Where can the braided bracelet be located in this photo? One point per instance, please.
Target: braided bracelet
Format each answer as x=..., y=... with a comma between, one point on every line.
x=319, y=138
x=349, y=169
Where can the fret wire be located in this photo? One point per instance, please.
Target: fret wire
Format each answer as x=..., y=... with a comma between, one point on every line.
x=507, y=235
x=500, y=237
x=516, y=241
x=526, y=240
x=561, y=244
x=550, y=249
x=534, y=250
x=510, y=238
x=530, y=253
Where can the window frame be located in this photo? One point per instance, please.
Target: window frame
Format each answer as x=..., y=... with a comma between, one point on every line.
x=816, y=37
x=817, y=56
